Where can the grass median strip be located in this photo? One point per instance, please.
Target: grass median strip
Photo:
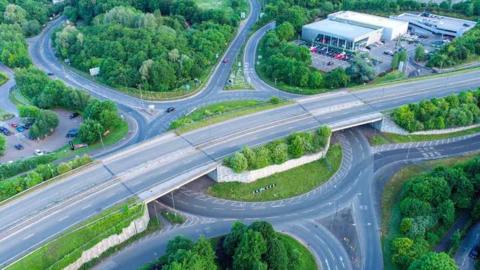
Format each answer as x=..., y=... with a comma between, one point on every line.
x=68, y=247
x=219, y=112
x=386, y=138
x=287, y=184
x=305, y=258
x=3, y=78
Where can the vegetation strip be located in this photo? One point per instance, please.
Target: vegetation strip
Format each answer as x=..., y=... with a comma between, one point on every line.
x=257, y=246
x=3, y=78
x=388, y=138
x=68, y=247
x=286, y=184
x=219, y=112
x=421, y=203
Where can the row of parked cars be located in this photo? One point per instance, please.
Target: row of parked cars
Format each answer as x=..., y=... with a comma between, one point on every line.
x=17, y=126
x=337, y=54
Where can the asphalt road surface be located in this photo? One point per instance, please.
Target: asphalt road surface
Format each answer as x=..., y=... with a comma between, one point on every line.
x=167, y=160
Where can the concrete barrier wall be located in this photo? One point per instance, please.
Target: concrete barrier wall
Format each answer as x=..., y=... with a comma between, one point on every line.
x=137, y=226
x=389, y=126
x=225, y=174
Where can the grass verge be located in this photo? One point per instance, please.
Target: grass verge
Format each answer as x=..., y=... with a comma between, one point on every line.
x=290, y=183
x=115, y=136
x=68, y=247
x=306, y=259
x=220, y=112
x=173, y=217
x=153, y=226
x=391, y=196
x=3, y=78
x=386, y=138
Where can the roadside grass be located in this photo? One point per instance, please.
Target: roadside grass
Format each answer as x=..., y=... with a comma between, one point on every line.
x=173, y=217
x=219, y=112
x=5, y=116
x=386, y=138
x=389, y=77
x=306, y=259
x=153, y=226
x=237, y=75
x=17, y=98
x=68, y=247
x=115, y=136
x=290, y=183
x=3, y=78
x=390, y=201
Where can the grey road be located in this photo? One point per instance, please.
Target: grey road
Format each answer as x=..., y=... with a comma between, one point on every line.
x=462, y=258
x=167, y=160
x=5, y=102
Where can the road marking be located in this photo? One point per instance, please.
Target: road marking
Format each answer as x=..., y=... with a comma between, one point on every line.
x=63, y=218
x=28, y=236
x=85, y=206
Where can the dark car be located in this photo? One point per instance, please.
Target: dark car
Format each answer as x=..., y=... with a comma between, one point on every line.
x=18, y=146
x=475, y=251
x=74, y=115
x=72, y=133
x=170, y=109
x=5, y=131
x=225, y=60
x=50, y=73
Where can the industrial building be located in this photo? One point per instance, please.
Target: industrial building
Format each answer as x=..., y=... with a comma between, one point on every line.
x=436, y=24
x=349, y=30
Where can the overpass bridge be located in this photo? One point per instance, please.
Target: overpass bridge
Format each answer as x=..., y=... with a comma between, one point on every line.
x=153, y=168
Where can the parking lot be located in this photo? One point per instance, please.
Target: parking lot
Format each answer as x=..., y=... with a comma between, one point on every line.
x=381, y=54
x=53, y=142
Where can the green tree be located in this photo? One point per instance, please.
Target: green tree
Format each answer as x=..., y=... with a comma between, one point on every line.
x=336, y=78
x=238, y=162
x=434, y=261
x=90, y=131
x=248, y=254
x=232, y=239
x=360, y=70
x=296, y=146
x=63, y=167
x=285, y=31
x=279, y=152
x=420, y=53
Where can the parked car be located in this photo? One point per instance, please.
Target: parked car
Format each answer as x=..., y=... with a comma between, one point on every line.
x=5, y=131
x=72, y=133
x=50, y=73
x=39, y=152
x=170, y=109
x=14, y=125
x=20, y=128
x=18, y=146
x=225, y=60
x=74, y=115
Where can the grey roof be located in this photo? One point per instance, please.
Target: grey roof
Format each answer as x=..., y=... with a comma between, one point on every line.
x=439, y=22
x=339, y=29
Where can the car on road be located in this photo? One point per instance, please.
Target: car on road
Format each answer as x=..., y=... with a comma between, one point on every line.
x=474, y=252
x=18, y=146
x=225, y=60
x=170, y=109
x=388, y=52
x=39, y=152
x=72, y=133
x=20, y=128
x=74, y=115
x=50, y=73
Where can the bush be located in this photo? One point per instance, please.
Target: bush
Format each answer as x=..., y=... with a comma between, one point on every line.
x=277, y=152
x=20, y=166
x=275, y=100
x=3, y=145
x=438, y=113
x=64, y=168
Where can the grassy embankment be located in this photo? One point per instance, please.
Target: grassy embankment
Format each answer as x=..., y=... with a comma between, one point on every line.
x=290, y=183
x=219, y=112
x=68, y=247
x=391, y=199
x=386, y=138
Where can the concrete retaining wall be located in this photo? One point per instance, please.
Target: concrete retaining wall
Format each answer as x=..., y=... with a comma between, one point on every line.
x=137, y=226
x=225, y=174
x=390, y=126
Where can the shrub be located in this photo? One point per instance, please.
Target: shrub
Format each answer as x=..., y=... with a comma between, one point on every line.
x=296, y=146
x=251, y=157
x=238, y=162
x=263, y=158
x=275, y=100
x=3, y=144
x=20, y=166
x=279, y=152
x=64, y=168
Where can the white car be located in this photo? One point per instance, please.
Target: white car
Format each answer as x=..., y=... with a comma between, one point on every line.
x=39, y=152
